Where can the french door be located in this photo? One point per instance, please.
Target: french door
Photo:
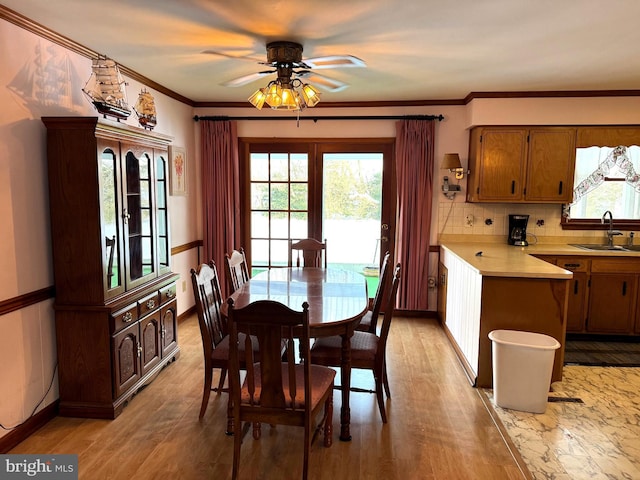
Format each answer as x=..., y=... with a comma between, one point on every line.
x=342, y=191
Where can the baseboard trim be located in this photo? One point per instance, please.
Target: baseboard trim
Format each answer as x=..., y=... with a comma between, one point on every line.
x=186, y=314
x=22, y=432
x=416, y=313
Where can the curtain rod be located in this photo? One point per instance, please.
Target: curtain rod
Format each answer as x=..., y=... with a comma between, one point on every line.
x=315, y=119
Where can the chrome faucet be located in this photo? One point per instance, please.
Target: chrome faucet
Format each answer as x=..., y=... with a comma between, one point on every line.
x=611, y=232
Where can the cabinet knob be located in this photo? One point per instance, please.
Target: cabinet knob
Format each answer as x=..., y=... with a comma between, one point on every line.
x=127, y=317
x=151, y=304
x=171, y=294
x=126, y=215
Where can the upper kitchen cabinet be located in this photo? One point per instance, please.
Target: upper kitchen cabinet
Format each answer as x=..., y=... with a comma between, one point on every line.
x=521, y=164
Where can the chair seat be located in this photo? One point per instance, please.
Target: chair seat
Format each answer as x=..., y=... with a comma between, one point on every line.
x=321, y=379
x=221, y=354
x=328, y=350
x=365, y=322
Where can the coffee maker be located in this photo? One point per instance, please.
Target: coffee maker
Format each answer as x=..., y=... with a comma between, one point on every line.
x=518, y=230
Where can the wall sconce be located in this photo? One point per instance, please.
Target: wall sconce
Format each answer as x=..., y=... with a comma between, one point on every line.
x=452, y=163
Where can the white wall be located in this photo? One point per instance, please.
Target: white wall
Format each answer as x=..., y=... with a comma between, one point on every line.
x=38, y=79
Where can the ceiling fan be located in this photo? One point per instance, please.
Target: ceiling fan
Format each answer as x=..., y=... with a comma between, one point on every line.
x=285, y=59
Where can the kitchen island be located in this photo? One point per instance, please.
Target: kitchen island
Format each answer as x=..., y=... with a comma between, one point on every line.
x=496, y=286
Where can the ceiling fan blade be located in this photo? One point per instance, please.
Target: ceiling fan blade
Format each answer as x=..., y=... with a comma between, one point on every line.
x=334, y=61
x=245, y=79
x=235, y=57
x=326, y=83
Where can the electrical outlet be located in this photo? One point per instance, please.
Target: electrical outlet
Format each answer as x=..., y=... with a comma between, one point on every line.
x=184, y=285
x=469, y=221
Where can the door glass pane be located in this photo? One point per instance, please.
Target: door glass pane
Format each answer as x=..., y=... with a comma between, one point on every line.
x=259, y=167
x=278, y=186
x=162, y=211
x=140, y=220
x=110, y=221
x=279, y=167
x=352, y=210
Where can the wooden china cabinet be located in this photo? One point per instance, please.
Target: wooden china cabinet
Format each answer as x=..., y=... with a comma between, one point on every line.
x=115, y=306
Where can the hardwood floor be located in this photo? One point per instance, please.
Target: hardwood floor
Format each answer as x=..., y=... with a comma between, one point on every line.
x=439, y=427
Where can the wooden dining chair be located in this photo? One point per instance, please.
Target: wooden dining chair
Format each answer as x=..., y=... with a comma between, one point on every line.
x=277, y=390
x=310, y=251
x=215, y=338
x=369, y=322
x=368, y=350
x=236, y=269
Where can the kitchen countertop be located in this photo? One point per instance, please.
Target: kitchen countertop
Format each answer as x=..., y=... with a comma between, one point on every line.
x=503, y=260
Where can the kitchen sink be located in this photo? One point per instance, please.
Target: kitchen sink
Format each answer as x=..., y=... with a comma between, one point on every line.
x=595, y=246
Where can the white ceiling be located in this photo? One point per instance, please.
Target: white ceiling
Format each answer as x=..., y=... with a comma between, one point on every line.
x=414, y=49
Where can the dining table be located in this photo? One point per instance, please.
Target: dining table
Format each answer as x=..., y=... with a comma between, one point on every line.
x=337, y=298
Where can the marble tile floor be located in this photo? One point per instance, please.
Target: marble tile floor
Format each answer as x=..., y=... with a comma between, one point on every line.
x=596, y=439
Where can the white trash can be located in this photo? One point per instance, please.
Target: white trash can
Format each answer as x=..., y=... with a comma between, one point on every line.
x=522, y=364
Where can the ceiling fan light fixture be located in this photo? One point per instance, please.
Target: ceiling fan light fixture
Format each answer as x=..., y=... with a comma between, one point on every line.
x=258, y=98
x=310, y=95
x=274, y=95
x=289, y=99
x=293, y=95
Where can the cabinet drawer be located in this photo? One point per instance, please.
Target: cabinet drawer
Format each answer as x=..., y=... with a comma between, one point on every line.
x=615, y=265
x=167, y=293
x=148, y=303
x=574, y=264
x=123, y=318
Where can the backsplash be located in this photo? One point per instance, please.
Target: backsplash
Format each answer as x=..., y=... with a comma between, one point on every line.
x=458, y=218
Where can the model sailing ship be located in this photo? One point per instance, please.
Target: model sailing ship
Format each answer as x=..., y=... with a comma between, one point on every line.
x=145, y=109
x=105, y=89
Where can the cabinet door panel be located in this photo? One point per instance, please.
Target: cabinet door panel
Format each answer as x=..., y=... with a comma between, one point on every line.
x=169, y=330
x=126, y=359
x=140, y=245
x=611, y=303
x=550, y=165
x=111, y=221
x=150, y=341
x=162, y=211
x=577, y=300
x=502, y=157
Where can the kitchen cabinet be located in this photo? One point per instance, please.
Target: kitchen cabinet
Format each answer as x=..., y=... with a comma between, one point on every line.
x=115, y=299
x=577, y=303
x=603, y=294
x=487, y=295
x=611, y=303
x=613, y=295
x=521, y=164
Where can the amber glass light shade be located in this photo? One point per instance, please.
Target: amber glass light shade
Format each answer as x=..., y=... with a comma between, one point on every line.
x=274, y=96
x=310, y=94
x=258, y=98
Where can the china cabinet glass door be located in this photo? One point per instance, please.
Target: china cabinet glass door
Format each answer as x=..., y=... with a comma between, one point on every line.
x=138, y=218
x=162, y=211
x=110, y=191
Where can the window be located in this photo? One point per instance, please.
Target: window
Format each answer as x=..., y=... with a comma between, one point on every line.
x=606, y=178
x=279, y=209
x=338, y=190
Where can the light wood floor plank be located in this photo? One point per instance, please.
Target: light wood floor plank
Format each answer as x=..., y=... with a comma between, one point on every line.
x=439, y=427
